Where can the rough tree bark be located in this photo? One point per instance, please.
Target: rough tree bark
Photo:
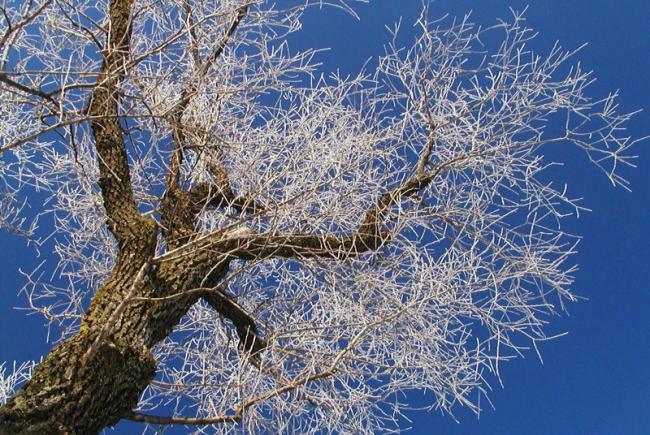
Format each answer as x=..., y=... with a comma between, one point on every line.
x=96, y=377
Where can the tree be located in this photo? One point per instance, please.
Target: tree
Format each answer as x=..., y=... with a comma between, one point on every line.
x=270, y=249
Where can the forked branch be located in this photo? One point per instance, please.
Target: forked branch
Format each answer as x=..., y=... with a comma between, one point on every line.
x=178, y=209
x=368, y=238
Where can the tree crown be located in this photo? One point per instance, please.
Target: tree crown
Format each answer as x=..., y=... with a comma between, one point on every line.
x=351, y=238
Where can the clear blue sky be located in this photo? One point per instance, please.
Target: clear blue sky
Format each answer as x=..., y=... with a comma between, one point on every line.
x=595, y=380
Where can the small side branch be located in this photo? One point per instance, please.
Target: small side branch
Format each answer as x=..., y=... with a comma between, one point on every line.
x=221, y=196
x=153, y=419
x=26, y=89
x=12, y=28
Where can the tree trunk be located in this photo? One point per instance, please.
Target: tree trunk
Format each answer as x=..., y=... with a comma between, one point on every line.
x=94, y=378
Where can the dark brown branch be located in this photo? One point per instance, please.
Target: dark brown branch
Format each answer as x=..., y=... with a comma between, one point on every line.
x=240, y=13
x=153, y=419
x=19, y=86
x=221, y=302
x=428, y=150
x=420, y=180
x=222, y=196
x=368, y=238
x=298, y=245
x=375, y=215
x=249, y=337
x=218, y=246
x=194, y=49
x=114, y=175
x=12, y=28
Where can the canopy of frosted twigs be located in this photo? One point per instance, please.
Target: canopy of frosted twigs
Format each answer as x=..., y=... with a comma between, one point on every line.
x=442, y=138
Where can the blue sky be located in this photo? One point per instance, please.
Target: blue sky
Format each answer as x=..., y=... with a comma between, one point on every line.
x=594, y=380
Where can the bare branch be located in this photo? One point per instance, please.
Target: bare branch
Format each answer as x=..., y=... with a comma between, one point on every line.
x=36, y=92
x=115, y=178
x=249, y=337
x=189, y=92
x=152, y=419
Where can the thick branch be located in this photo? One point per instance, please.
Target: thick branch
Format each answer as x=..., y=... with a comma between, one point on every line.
x=154, y=419
x=368, y=238
x=222, y=196
x=90, y=381
x=114, y=178
x=216, y=247
x=420, y=180
x=247, y=331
